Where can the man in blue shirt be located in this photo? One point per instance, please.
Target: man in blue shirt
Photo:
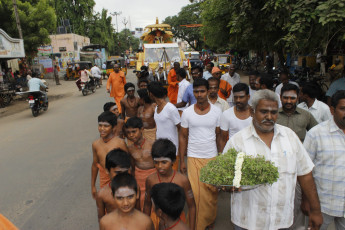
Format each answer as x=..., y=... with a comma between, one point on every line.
x=188, y=96
x=35, y=84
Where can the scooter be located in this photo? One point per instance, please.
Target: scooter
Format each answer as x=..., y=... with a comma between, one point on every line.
x=88, y=86
x=36, y=102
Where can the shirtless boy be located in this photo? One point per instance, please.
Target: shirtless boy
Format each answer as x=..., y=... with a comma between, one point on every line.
x=112, y=107
x=130, y=103
x=169, y=200
x=125, y=191
x=117, y=161
x=164, y=155
x=146, y=112
x=102, y=146
x=140, y=150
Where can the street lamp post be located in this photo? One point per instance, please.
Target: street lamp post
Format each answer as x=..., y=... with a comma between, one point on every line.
x=17, y=19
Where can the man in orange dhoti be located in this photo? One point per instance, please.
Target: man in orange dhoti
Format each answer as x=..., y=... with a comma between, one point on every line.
x=200, y=131
x=173, y=84
x=5, y=224
x=224, y=87
x=117, y=81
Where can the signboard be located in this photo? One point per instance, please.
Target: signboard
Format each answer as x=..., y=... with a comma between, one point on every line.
x=10, y=47
x=44, y=50
x=47, y=63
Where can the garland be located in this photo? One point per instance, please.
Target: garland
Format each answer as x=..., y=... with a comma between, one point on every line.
x=238, y=168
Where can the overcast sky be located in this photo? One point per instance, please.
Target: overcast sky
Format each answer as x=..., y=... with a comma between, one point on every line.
x=141, y=12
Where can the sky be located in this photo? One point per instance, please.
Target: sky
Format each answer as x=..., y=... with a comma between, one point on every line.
x=140, y=13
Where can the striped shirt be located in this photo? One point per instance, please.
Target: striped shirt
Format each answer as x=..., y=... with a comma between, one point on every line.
x=269, y=207
x=325, y=144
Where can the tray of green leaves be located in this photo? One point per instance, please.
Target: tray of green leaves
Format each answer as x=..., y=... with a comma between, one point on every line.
x=256, y=171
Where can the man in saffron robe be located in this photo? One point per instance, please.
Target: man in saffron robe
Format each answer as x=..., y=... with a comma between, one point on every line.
x=173, y=83
x=117, y=81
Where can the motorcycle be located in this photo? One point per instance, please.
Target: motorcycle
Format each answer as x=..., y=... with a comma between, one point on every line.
x=36, y=102
x=88, y=86
x=97, y=82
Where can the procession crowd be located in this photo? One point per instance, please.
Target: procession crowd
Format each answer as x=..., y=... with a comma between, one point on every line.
x=151, y=150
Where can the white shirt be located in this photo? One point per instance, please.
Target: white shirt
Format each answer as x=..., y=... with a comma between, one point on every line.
x=231, y=80
x=182, y=86
x=251, y=94
x=270, y=207
x=96, y=72
x=230, y=122
x=206, y=75
x=280, y=86
x=166, y=122
x=35, y=84
x=221, y=103
x=104, y=66
x=202, y=131
x=319, y=110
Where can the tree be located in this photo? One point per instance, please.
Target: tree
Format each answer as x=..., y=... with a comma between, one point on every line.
x=37, y=19
x=79, y=12
x=100, y=30
x=125, y=40
x=189, y=14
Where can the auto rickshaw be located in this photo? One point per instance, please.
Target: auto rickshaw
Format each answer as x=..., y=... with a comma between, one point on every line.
x=73, y=69
x=223, y=61
x=116, y=60
x=132, y=62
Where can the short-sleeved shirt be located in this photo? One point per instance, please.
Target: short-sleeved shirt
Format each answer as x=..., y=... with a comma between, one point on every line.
x=201, y=131
x=206, y=75
x=300, y=122
x=325, y=144
x=280, y=86
x=336, y=86
x=188, y=95
x=230, y=122
x=182, y=86
x=319, y=110
x=271, y=206
x=221, y=103
x=166, y=122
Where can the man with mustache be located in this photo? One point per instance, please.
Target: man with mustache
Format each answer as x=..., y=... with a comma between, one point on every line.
x=237, y=117
x=300, y=121
x=325, y=144
x=297, y=119
x=271, y=207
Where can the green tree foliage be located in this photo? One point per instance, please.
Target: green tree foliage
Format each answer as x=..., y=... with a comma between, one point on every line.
x=273, y=25
x=79, y=12
x=124, y=40
x=100, y=30
x=215, y=18
x=189, y=14
x=37, y=20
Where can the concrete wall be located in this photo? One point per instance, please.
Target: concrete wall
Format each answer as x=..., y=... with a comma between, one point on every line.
x=67, y=40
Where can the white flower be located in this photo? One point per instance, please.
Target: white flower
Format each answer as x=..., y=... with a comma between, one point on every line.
x=238, y=173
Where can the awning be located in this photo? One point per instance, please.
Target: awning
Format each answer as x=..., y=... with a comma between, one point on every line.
x=10, y=47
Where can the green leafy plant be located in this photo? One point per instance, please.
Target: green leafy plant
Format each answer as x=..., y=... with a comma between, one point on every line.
x=255, y=170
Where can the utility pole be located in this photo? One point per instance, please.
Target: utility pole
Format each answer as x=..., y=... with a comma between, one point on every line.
x=17, y=19
x=116, y=14
x=125, y=22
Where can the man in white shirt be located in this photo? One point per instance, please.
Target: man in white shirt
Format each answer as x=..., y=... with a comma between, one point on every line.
x=208, y=73
x=271, y=206
x=266, y=83
x=96, y=72
x=182, y=86
x=308, y=101
x=213, y=97
x=166, y=115
x=232, y=78
x=252, y=89
x=284, y=79
x=237, y=117
x=199, y=137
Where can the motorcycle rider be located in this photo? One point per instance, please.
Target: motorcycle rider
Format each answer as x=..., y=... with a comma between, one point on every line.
x=84, y=77
x=35, y=84
x=96, y=73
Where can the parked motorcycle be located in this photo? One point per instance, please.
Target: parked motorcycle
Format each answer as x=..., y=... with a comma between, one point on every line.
x=86, y=87
x=36, y=102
